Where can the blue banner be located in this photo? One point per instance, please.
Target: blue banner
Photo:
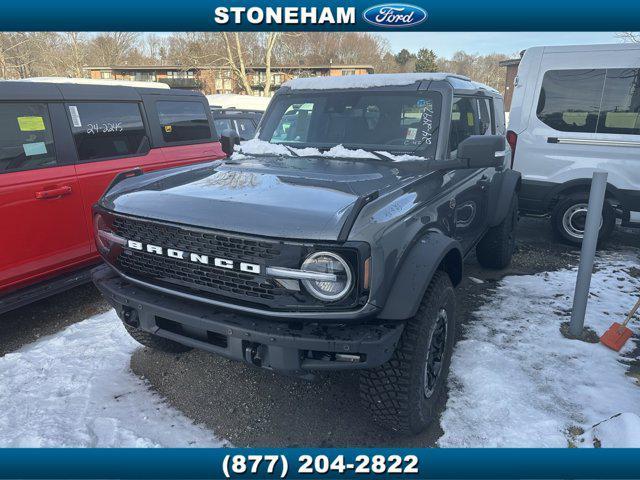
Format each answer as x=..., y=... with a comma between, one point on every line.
x=320, y=463
x=287, y=15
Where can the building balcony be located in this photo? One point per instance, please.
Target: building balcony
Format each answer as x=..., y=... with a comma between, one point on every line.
x=186, y=83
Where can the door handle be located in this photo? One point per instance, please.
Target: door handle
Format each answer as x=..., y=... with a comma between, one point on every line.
x=53, y=193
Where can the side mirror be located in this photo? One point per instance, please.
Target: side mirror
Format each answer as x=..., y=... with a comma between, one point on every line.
x=228, y=140
x=483, y=151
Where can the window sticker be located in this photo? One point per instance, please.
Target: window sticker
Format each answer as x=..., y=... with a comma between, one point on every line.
x=421, y=103
x=31, y=124
x=411, y=133
x=31, y=149
x=470, y=119
x=168, y=128
x=75, y=116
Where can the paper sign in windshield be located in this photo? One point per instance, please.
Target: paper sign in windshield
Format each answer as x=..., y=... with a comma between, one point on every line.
x=31, y=149
x=31, y=124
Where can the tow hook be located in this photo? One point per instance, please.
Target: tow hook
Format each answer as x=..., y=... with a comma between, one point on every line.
x=254, y=354
x=130, y=317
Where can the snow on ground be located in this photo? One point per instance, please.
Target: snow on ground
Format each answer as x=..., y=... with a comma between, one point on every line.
x=75, y=389
x=517, y=382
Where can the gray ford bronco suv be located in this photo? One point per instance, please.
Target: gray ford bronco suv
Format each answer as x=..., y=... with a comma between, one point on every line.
x=331, y=241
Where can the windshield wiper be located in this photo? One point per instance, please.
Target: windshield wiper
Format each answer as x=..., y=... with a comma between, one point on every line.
x=383, y=156
x=293, y=152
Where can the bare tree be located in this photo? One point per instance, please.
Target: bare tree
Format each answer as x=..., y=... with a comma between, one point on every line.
x=235, y=59
x=271, y=40
x=75, y=52
x=113, y=48
x=629, y=37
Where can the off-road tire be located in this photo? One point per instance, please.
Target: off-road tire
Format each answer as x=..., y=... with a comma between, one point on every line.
x=394, y=392
x=565, y=203
x=498, y=244
x=153, y=341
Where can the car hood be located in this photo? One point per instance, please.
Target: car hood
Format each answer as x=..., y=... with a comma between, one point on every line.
x=300, y=198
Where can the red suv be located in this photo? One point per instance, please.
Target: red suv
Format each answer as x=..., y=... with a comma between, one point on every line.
x=60, y=147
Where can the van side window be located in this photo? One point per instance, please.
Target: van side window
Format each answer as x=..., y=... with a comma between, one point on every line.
x=183, y=121
x=501, y=124
x=570, y=99
x=620, y=110
x=104, y=130
x=26, y=141
x=469, y=116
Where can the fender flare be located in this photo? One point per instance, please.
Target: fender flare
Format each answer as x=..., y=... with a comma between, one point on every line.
x=505, y=185
x=431, y=252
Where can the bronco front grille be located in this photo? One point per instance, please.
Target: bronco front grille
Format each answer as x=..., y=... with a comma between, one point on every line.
x=206, y=280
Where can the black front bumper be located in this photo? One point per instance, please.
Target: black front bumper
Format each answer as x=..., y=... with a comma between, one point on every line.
x=288, y=346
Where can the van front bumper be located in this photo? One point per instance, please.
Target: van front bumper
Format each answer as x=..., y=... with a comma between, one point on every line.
x=295, y=347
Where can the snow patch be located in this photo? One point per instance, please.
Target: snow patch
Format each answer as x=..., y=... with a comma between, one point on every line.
x=619, y=431
x=515, y=381
x=75, y=389
x=366, y=81
x=256, y=146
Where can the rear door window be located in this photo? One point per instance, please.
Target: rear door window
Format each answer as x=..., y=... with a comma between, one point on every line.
x=569, y=100
x=182, y=121
x=222, y=124
x=620, y=109
x=105, y=130
x=26, y=140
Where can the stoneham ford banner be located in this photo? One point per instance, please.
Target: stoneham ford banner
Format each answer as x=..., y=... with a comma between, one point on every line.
x=287, y=15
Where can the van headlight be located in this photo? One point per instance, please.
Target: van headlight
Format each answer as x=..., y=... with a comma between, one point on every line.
x=327, y=262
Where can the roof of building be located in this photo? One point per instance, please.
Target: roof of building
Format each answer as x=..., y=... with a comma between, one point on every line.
x=511, y=61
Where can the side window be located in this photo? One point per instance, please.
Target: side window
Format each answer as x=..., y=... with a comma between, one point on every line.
x=501, y=124
x=570, y=99
x=104, y=130
x=245, y=127
x=183, y=121
x=466, y=121
x=26, y=141
x=485, y=122
x=620, y=110
x=222, y=124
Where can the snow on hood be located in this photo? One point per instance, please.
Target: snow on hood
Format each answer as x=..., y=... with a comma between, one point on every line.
x=365, y=81
x=261, y=147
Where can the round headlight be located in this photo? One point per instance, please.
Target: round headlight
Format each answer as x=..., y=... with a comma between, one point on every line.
x=327, y=262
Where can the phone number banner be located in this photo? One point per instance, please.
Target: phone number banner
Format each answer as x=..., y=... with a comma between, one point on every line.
x=359, y=15
x=319, y=463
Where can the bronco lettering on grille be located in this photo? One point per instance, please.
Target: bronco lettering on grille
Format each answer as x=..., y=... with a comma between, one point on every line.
x=195, y=257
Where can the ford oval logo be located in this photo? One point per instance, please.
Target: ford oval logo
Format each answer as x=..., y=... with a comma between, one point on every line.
x=393, y=15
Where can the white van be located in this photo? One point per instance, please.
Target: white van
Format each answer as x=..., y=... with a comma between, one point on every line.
x=576, y=109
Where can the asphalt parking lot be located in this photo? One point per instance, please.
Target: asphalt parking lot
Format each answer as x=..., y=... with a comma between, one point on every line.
x=252, y=407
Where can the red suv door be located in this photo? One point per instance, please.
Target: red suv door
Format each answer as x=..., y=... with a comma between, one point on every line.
x=41, y=205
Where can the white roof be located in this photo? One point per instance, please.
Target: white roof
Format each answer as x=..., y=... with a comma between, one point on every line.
x=247, y=102
x=366, y=81
x=587, y=48
x=91, y=81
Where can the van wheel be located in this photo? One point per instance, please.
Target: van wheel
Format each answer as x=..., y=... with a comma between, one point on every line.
x=155, y=342
x=498, y=244
x=405, y=393
x=569, y=217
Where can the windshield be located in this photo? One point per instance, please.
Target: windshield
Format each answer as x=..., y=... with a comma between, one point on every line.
x=402, y=122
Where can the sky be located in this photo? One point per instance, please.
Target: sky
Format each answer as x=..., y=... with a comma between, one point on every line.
x=445, y=44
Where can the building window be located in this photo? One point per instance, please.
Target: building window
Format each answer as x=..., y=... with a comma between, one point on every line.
x=277, y=79
x=180, y=73
x=144, y=76
x=105, y=75
x=348, y=71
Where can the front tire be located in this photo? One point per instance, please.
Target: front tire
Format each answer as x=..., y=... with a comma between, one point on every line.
x=405, y=393
x=496, y=248
x=569, y=216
